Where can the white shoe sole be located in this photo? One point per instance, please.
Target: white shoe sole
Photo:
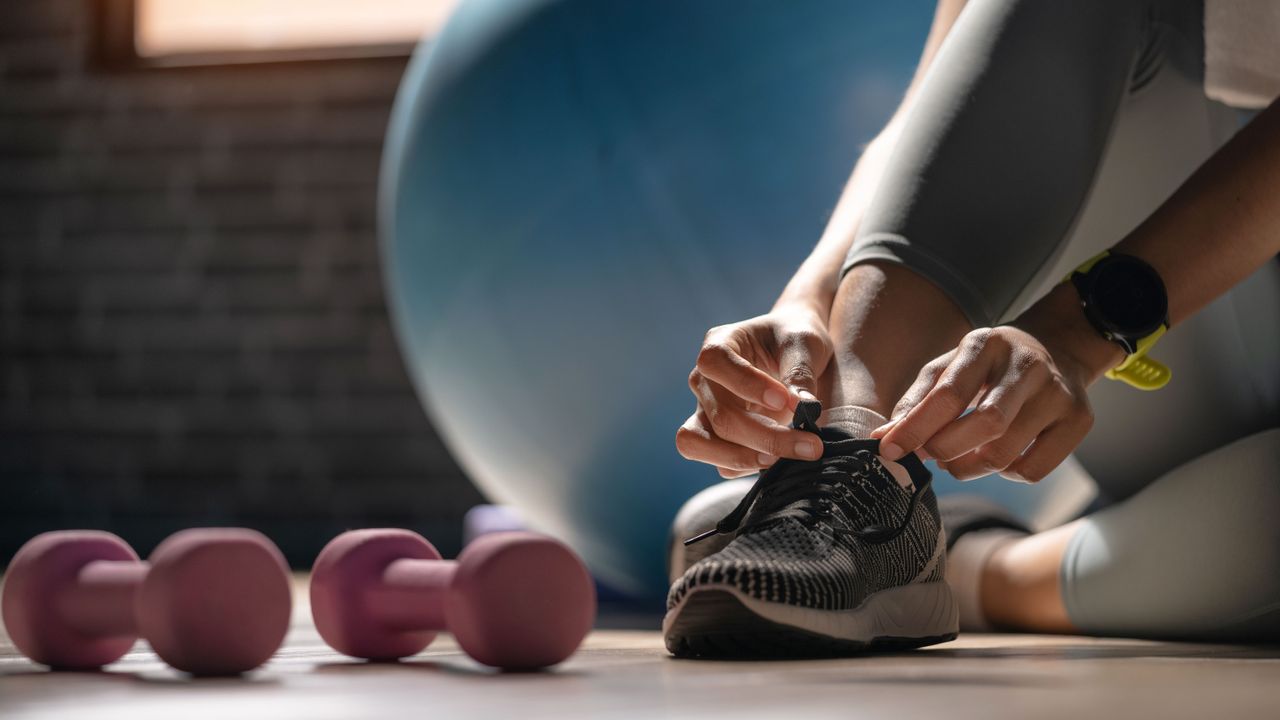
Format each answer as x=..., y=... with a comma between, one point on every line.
x=722, y=621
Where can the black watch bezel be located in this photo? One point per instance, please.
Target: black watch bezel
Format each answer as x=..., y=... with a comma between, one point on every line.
x=1124, y=298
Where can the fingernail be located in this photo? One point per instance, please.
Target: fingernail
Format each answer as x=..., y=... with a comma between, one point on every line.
x=889, y=451
x=808, y=450
x=765, y=459
x=805, y=395
x=775, y=399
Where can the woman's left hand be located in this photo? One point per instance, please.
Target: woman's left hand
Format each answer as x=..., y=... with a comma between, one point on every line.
x=1029, y=408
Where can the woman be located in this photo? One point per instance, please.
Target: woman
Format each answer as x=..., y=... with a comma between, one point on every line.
x=1034, y=136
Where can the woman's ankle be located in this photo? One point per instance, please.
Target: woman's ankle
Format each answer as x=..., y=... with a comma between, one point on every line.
x=1020, y=586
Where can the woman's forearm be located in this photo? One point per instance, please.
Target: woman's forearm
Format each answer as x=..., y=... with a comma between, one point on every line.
x=1222, y=224
x=1218, y=228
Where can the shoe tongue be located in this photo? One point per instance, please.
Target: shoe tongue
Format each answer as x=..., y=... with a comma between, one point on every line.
x=832, y=433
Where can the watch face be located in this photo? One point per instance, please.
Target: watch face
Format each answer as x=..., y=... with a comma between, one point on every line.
x=1129, y=296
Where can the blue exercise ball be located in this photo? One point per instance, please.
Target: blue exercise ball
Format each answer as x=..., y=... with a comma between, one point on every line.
x=575, y=190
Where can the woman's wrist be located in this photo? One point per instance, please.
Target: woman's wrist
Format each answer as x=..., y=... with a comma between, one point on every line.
x=803, y=303
x=1059, y=323
x=808, y=293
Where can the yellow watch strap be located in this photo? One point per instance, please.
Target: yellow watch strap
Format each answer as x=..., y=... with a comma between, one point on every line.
x=1141, y=371
x=1137, y=370
x=1088, y=264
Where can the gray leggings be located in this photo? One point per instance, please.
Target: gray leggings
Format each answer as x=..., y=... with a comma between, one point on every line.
x=1195, y=554
x=1044, y=132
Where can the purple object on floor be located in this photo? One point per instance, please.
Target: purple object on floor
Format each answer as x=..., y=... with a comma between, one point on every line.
x=212, y=601
x=484, y=519
x=512, y=600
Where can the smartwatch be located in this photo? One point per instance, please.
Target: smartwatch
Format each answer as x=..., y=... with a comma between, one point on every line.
x=1124, y=299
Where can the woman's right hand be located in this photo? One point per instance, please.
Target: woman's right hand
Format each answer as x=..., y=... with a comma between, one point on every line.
x=748, y=379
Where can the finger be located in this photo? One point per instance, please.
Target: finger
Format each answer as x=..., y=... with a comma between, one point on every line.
x=695, y=441
x=711, y=395
x=880, y=431
x=700, y=386
x=735, y=474
x=1050, y=449
x=721, y=364
x=966, y=467
x=997, y=411
x=950, y=396
x=1036, y=415
x=782, y=417
x=924, y=382
x=802, y=358
x=732, y=423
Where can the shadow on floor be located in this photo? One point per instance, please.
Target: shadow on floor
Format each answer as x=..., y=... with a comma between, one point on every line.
x=434, y=666
x=1094, y=651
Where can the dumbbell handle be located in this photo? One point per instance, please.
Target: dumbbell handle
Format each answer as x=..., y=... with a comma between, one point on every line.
x=101, y=602
x=411, y=594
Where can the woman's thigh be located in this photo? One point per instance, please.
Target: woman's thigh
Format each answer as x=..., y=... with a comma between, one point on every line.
x=1002, y=145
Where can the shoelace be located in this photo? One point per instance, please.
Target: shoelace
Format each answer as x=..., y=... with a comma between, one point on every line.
x=812, y=484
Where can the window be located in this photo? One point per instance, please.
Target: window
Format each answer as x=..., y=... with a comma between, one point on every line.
x=199, y=32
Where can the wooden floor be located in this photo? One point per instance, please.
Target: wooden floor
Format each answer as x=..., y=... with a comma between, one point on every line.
x=627, y=674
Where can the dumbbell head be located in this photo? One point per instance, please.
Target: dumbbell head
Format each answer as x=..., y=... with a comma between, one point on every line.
x=520, y=601
x=513, y=600
x=214, y=602
x=346, y=568
x=45, y=569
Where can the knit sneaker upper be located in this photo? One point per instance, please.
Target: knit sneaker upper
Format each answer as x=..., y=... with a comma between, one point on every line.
x=826, y=534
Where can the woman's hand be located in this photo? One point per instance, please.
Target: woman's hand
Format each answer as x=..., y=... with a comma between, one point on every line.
x=747, y=381
x=1028, y=396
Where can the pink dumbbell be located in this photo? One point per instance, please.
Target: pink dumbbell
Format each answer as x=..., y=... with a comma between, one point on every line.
x=212, y=601
x=512, y=600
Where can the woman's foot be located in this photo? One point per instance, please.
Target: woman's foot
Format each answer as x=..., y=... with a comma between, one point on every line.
x=976, y=528
x=1003, y=576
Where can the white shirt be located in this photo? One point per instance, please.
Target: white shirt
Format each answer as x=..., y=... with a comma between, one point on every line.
x=1242, y=52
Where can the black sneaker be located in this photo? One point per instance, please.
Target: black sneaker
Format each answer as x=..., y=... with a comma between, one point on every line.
x=831, y=557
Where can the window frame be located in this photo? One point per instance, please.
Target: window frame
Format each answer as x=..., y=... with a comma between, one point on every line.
x=114, y=46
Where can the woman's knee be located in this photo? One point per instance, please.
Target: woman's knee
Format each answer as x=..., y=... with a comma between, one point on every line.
x=1194, y=554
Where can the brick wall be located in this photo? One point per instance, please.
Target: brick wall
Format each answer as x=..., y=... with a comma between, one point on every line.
x=192, y=328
